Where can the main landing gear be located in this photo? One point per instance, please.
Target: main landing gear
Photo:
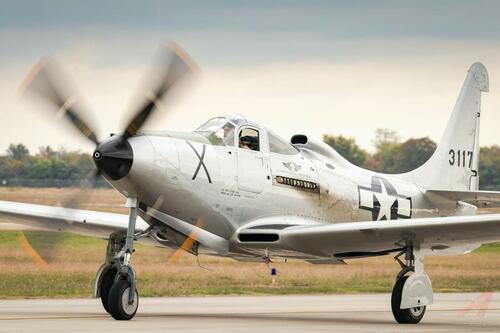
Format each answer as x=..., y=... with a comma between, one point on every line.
x=411, y=293
x=116, y=279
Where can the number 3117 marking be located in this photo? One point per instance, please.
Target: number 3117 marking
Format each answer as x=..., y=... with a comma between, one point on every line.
x=461, y=158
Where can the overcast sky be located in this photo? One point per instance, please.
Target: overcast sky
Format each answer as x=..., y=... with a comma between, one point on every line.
x=313, y=67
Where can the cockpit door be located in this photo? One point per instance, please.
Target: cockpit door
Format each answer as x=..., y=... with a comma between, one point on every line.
x=251, y=171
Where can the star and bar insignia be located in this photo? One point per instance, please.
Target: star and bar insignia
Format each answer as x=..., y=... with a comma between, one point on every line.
x=383, y=201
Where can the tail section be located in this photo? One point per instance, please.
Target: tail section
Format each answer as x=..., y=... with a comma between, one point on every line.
x=454, y=164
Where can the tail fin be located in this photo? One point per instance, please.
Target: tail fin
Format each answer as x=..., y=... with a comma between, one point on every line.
x=454, y=164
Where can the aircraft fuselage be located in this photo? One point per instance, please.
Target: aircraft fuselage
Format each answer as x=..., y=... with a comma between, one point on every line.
x=223, y=188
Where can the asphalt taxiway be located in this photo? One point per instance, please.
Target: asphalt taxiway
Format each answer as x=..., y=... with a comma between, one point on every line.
x=464, y=312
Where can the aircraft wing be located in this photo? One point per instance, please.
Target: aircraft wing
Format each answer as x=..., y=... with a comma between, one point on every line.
x=481, y=199
x=361, y=239
x=88, y=222
x=83, y=222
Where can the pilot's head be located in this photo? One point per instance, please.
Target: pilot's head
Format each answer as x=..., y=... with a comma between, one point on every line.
x=228, y=129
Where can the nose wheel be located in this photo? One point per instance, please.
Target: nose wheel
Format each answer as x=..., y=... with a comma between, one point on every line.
x=116, y=279
x=107, y=281
x=119, y=304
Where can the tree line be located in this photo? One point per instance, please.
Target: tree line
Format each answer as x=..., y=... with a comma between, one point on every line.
x=46, y=168
x=61, y=168
x=392, y=155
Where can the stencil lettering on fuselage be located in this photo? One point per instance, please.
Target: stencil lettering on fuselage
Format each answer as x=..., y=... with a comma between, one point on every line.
x=383, y=201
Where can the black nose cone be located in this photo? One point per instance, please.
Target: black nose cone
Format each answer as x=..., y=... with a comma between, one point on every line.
x=113, y=157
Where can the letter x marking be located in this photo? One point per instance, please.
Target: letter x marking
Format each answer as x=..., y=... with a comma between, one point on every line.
x=201, y=163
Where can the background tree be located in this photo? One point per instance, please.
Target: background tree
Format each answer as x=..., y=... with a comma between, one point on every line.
x=18, y=152
x=489, y=168
x=48, y=168
x=47, y=152
x=413, y=153
x=347, y=147
x=387, y=145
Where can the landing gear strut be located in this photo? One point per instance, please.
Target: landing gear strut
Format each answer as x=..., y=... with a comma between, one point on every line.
x=411, y=293
x=116, y=279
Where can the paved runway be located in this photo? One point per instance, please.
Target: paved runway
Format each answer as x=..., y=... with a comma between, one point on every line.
x=336, y=313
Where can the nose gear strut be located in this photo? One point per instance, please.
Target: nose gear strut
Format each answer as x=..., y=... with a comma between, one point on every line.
x=116, y=278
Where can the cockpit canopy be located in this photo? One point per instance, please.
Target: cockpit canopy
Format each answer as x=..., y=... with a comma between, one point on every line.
x=221, y=131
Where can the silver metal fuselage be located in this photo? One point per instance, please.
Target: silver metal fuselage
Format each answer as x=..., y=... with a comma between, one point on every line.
x=223, y=188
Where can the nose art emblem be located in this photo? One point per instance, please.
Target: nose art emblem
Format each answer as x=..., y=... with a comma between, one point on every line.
x=200, y=163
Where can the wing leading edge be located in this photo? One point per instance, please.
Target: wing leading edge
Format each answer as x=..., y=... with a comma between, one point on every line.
x=83, y=222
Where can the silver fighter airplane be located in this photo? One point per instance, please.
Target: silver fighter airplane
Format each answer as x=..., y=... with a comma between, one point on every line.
x=234, y=188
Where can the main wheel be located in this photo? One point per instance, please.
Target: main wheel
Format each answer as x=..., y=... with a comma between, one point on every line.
x=107, y=281
x=404, y=316
x=118, y=304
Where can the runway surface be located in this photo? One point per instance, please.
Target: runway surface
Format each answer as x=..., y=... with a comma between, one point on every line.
x=337, y=313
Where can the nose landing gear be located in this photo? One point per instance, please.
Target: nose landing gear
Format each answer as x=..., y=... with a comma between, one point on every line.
x=116, y=279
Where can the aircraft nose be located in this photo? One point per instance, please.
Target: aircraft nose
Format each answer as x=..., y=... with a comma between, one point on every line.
x=113, y=157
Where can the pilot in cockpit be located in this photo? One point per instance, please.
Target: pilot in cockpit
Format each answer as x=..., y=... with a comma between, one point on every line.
x=228, y=138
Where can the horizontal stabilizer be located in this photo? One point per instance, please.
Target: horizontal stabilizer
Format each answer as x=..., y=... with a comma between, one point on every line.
x=481, y=199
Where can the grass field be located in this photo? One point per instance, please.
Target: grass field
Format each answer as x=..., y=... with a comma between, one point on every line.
x=73, y=261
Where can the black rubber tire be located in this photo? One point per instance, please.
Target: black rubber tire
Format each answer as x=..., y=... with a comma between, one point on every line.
x=116, y=304
x=107, y=281
x=404, y=316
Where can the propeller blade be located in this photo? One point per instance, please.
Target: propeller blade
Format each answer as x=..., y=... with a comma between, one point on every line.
x=46, y=81
x=175, y=66
x=75, y=200
x=42, y=246
x=186, y=245
x=26, y=245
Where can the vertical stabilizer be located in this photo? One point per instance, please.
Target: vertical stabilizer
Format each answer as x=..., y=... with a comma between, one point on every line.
x=454, y=164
